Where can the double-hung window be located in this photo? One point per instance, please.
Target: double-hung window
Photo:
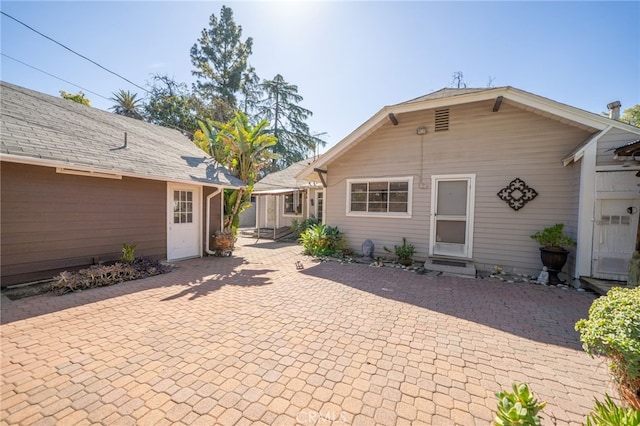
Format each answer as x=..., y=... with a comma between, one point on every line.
x=293, y=204
x=379, y=197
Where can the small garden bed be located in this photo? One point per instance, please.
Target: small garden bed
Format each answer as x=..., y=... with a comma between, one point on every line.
x=106, y=275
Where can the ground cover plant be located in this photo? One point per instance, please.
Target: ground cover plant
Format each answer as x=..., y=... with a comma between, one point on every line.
x=520, y=407
x=129, y=268
x=105, y=275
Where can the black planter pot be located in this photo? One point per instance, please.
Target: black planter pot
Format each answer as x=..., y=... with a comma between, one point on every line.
x=554, y=259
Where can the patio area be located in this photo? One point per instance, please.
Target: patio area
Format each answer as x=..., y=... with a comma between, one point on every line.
x=252, y=339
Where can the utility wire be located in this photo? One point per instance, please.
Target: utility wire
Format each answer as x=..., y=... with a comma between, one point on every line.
x=74, y=52
x=54, y=76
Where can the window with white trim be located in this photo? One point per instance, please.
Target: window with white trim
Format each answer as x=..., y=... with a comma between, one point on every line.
x=293, y=204
x=385, y=197
x=182, y=207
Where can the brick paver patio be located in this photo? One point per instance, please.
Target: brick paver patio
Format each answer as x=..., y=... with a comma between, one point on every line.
x=251, y=340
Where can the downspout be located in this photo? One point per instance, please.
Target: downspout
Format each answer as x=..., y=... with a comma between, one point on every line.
x=258, y=215
x=208, y=227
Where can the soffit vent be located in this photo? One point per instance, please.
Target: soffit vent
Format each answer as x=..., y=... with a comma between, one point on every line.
x=442, y=120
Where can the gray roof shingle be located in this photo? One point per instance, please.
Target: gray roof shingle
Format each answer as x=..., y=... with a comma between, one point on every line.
x=64, y=133
x=447, y=92
x=283, y=179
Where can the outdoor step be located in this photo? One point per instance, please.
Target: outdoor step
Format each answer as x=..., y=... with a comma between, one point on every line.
x=451, y=266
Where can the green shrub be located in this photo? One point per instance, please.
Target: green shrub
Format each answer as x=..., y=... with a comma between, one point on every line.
x=611, y=414
x=322, y=240
x=553, y=236
x=299, y=226
x=613, y=330
x=518, y=408
x=404, y=253
x=128, y=252
x=105, y=275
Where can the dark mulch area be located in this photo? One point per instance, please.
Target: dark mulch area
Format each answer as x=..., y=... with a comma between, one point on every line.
x=27, y=290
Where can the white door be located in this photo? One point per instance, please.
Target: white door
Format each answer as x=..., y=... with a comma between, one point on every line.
x=183, y=231
x=452, y=204
x=615, y=235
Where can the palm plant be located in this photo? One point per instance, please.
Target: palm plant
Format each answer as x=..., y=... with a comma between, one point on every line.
x=127, y=104
x=245, y=150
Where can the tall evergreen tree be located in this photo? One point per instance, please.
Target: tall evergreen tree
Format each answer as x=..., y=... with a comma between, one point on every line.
x=220, y=59
x=251, y=93
x=281, y=108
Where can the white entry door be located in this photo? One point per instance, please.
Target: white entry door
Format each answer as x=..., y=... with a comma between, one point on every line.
x=615, y=235
x=452, y=205
x=183, y=231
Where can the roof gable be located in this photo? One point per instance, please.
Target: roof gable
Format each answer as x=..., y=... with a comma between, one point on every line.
x=43, y=129
x=283, y=180
x=449, y=97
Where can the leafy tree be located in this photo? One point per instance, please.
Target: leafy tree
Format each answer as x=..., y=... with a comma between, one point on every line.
x=221, y=61
x=127, y=104
x=171, y=104
x=631, y=116
x=78, y=97
x=244, y=149
x=281, y=107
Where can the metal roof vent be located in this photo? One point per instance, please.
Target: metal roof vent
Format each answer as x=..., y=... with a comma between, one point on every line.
x=442, y=120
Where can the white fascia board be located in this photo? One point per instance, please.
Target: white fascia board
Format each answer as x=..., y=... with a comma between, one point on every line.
x=579, y=153
x=363, y=130
x=32, y=161
x=275, y=191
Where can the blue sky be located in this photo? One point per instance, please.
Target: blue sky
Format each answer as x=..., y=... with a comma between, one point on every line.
x=348, y=59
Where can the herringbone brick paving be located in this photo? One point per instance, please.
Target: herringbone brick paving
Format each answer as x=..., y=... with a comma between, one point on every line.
x=250, y=339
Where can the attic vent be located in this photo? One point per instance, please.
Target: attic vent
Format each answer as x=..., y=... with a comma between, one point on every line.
x=442, y=120
x=77, y=172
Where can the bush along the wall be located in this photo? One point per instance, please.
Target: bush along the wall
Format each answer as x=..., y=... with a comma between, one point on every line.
x=299, y=226
x=322, y=240
x=613, y=330
x=105, y=275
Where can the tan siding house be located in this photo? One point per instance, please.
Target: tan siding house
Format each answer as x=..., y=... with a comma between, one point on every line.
x=281, y=199
x=431, y=169
x=78, y=183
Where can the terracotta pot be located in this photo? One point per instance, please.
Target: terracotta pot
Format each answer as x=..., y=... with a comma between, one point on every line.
x=222, y=242
x=633, y=398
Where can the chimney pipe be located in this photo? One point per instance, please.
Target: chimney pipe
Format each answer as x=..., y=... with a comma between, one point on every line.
x=614, y=110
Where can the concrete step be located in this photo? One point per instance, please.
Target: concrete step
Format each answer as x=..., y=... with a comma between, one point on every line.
x=451, y=266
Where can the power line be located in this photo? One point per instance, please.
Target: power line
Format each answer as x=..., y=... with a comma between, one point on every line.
x=73, y=51
x=54, y=76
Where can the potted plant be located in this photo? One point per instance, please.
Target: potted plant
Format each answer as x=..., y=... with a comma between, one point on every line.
x=223, y=242
x=553, y=252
